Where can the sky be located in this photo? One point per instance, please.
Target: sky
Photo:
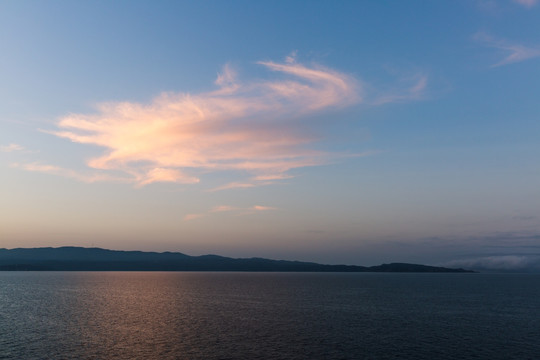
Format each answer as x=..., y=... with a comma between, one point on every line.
x=350, y=132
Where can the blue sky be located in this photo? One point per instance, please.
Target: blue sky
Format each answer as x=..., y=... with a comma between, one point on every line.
x=338, y=132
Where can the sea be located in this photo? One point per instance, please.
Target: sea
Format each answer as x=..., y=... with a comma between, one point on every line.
x=228, y=315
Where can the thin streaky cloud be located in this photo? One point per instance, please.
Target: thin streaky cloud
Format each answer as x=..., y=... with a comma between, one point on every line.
x=265, y=180
x=234, y=185
x=240, y=211
x=170, y=175
x=273, y=177
x=263, y=208
x=527, y=3
x=414, y=90
x=515, y=52
x=190, y=217
x=92, y=177
x=11, y=148
x=222, y=208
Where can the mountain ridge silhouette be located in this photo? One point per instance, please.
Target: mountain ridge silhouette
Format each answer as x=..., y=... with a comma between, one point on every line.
x=73, y=258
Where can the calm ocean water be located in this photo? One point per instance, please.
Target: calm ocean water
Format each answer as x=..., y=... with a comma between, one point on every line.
x=168, y=315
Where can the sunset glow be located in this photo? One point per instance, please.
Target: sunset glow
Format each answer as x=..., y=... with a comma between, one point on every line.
x=338, y=132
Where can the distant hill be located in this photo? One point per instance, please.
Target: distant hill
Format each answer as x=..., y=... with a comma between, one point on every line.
x=96, y=259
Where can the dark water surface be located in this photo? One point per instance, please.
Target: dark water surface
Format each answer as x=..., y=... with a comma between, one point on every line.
x=168, y=315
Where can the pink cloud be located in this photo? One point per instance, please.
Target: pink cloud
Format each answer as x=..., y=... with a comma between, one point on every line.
x=69, y=173
x=167, y=175
x=190, y=217
x=273, y=177
x=262, y=208
x=242, y=127
x=238, y=211
x=234, y=185
x=252, y=129
x=222, y=208
x=11, y=148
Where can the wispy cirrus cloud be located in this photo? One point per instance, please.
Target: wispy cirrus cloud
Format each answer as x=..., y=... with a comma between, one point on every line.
x=515, y=52
x=224, y=208
x=230, y=209
x=91, y=177
x=527, y=3
x=251, y=128
x=270, y=179
x=411, y=89
x=243, y=127
x=190, y=217
x=11, y=148
x=235, y=185
x=263, y=208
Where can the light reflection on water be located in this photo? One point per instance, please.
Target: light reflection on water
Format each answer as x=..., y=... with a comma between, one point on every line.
x=154, y=315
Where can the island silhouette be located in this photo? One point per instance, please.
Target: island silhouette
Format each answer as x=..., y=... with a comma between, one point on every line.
x=71, y=258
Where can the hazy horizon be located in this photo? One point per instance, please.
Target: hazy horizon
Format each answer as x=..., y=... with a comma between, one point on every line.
x=352, y=133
